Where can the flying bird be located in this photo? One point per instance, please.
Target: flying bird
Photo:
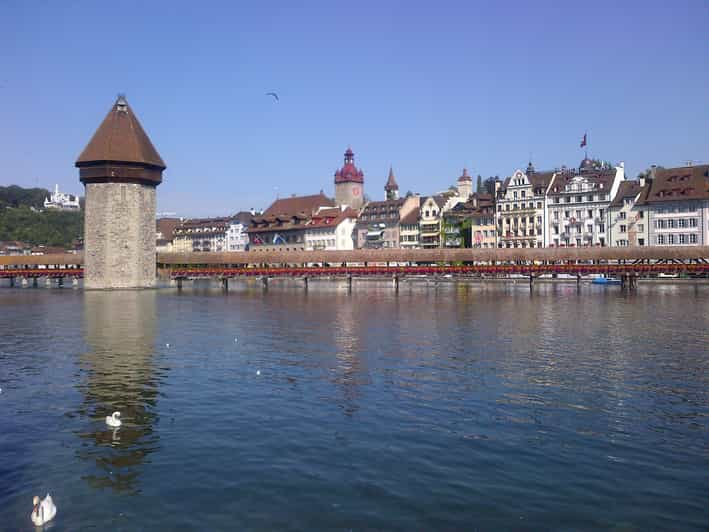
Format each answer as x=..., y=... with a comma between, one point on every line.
x=273, y=94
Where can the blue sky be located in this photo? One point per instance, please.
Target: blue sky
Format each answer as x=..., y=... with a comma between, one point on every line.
x=428, y=87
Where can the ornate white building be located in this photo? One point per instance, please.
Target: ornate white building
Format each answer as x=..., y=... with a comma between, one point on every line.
x=62, y=201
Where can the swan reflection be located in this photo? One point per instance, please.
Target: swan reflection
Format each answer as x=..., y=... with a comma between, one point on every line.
x=119, y=374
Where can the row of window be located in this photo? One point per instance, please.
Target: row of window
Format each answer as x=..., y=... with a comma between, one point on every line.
x=521, y=220
x=579, y=214
x=522, y=205
x=580, y=199
x=672, y=239
x=672, y=223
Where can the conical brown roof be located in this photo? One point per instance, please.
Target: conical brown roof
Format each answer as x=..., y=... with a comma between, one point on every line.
x=120, y=138
x=391, y=181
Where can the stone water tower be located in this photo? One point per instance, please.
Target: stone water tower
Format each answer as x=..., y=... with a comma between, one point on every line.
x=120, y=169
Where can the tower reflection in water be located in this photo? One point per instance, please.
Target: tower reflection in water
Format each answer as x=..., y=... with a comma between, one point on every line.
x=118, y=374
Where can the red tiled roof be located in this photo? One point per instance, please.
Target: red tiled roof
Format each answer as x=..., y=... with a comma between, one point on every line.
x=299, y=204
x=677, y=184
x=330, y=217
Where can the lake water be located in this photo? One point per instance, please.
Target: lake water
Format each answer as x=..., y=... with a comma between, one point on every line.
x=461, y=407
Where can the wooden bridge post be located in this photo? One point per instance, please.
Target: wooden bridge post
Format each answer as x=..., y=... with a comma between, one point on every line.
x=264, y=281
x=531, y=280
x=179, y=284
x=396, y=282
x=34, y=282
x=60, y=282
x=349, y=283
x=12, y=282
x=225, y=284
x=305, y=279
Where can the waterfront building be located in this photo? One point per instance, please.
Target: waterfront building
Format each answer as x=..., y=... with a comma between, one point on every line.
x=391, y=189
x=237, y=236
x=120, y=169
x=521, y=209
x=201, y=235
x=283, y=225
x=331, y=229
x=627, y=223
x=409, y=231
x=431, y=220
x=61, y=201
x=378, y=225
x=349, y=183
x=14, y=247
x=471, y=224
x=165, y=233
x=676, y=206
x=578, y=202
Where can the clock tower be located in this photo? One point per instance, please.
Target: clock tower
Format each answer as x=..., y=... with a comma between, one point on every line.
x=349, y=183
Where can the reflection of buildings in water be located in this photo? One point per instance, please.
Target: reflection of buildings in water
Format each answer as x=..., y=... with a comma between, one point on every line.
x=350, y=373
x=119, y=375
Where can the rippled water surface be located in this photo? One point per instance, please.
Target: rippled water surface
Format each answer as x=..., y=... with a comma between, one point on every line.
x=459, y=407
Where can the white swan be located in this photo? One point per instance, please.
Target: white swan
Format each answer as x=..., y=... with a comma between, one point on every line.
x=43, y=511
x=113, y=421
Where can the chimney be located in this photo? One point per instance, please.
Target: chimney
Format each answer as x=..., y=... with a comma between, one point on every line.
x=642, y=181
x=653, y=171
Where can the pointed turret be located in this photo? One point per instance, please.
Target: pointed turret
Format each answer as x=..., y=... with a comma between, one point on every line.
x=120, y=169
x=391, y=188
x=120, y=151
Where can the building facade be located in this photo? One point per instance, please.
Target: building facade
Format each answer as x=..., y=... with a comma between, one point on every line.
x=431, y=221
x=378, y=225
x=349, y=183
x=627, y=224
x=676, y=206
x=237, y=236
x=283, y=225
x=62, y=201
x=578, y=203
x=521, y=209
x=120, y=169
x=331, y=230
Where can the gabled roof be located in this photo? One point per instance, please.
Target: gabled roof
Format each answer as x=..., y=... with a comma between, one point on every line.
x=627, y=189
x=411, y=218
x=676, y=184
x=121, y=138
x=299, y=204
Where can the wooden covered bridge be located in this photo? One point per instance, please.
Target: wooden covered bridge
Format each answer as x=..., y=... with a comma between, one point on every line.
x=624, y=263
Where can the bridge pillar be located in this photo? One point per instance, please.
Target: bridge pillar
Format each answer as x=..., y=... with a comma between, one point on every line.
x=60, y=282
x=305, y=279
x=396, y=282
x=349, y=283
x=264, y=281
x=34, y=282
x=179, y=283
x=225, y=284
x=531, y=280
x=12, y=282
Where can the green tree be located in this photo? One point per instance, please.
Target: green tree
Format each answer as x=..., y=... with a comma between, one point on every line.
x=479, y=188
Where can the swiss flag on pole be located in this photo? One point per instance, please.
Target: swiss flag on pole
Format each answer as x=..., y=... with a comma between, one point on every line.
x=583, y=140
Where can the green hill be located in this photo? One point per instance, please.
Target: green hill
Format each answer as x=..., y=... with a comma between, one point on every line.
x=19, y=220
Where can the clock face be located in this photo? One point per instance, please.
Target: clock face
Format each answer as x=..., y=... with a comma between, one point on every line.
x=355, y=191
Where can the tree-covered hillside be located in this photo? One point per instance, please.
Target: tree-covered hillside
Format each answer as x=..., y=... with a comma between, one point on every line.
x=14, y=196
x=51, y=227
x=21, y=219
